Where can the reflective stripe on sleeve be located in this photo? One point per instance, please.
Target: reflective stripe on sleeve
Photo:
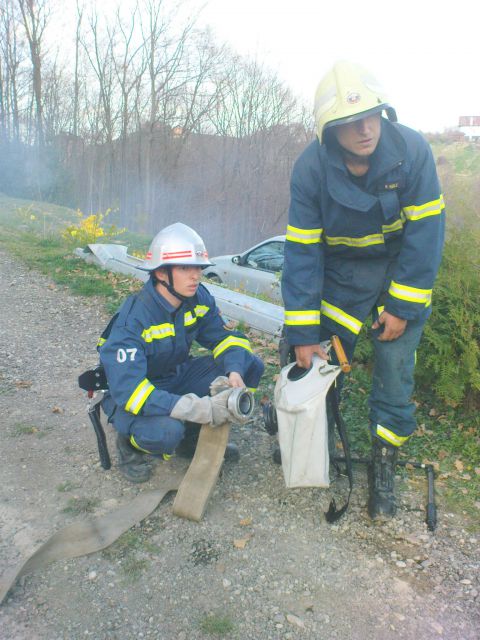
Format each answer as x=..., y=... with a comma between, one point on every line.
x=158, y=332
x=101, y=342
x=302, y=317
x=389, y=436
x=410, y=294
x=231, y=341
x=336, y=314
x=432, y=208
x=304, y=236
x=139, y=396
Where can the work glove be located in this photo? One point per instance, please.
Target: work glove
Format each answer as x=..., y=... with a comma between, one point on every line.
x=219, y=384
x=206, y=410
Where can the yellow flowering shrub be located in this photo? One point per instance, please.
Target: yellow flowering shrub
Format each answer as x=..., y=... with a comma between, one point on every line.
x=90, y=228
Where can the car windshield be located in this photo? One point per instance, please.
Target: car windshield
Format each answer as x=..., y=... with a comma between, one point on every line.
x=268, y=256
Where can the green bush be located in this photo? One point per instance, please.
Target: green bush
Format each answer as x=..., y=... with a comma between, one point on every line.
x=449, y=354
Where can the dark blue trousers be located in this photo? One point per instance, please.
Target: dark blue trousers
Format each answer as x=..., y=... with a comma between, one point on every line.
x=162, y=434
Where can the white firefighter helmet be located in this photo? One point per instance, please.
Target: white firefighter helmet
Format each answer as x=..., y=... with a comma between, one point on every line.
x=175, y=245
x=348, y=92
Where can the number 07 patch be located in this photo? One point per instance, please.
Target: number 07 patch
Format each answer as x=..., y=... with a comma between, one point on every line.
x=126, y=354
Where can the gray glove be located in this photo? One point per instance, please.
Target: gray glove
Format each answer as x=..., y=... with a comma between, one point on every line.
x=219, y=384
x=204, y=410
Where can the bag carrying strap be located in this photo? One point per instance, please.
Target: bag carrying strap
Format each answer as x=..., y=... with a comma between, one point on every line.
x=333, y=514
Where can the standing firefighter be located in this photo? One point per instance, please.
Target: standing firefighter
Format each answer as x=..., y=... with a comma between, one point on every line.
x=158, y=394
x=365, y=235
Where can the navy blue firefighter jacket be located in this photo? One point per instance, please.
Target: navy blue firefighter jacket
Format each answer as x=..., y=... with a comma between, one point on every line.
x=149, y=338
x=354, y=244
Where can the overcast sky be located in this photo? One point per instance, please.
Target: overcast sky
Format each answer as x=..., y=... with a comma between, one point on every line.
x=424, y=52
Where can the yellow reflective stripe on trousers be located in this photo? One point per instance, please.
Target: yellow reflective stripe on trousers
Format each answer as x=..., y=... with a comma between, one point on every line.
x=165, y=456
x=158, y=331
x=101, y=342
x=199, y=311
x=432, y=208
x=302, y=317
x=365, y=241
x=231, y=341
x=139, y=396
x=304, y=236
x=390, y=437
x=410, y=294
x=336, y=314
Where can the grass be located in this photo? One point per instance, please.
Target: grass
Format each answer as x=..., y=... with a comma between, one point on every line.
x=66, y=486
x=446, y=436
x=78, y=506
x=131, y=541
x=21, y=429
x=217, y=625
x=132, y=567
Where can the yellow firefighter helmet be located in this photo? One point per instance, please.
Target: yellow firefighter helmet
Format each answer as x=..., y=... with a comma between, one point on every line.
x=348, y=92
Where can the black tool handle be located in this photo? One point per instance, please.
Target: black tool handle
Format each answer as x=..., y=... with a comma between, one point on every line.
x=94, y=415
x=431, y=519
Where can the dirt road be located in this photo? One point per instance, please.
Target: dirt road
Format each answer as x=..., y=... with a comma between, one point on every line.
x=263, y=564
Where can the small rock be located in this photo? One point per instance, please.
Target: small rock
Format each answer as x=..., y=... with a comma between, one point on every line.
x=465, y=581
x=92, y=575
x=226, y=583
x=295, y=620
x=401, y=564
x=437, y=627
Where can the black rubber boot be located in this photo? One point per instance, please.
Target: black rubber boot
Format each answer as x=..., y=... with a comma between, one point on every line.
x=277, y=455
x=381, y=478
x=132, y=463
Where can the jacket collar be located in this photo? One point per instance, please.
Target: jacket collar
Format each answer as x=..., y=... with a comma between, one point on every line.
x=390, y=153
x=157, y=299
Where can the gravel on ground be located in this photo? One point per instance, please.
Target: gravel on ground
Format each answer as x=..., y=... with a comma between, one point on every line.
x=263, y=564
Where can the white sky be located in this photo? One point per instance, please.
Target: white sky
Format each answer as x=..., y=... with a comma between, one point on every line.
x=426, y=53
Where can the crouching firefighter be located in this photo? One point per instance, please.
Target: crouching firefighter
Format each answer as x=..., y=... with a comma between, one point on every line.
x=158, y=394
x=364, y=236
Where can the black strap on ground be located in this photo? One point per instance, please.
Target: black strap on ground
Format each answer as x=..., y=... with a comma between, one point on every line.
x=333, y=514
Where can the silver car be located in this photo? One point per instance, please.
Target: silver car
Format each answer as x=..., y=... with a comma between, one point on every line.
x=256, y=270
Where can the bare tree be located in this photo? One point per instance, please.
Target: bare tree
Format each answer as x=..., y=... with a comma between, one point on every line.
x=10, y=61
x=35, y=14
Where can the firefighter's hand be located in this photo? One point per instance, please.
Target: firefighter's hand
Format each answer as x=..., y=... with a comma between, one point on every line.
x=235, y=380
x=393, y=327
x=304, y=353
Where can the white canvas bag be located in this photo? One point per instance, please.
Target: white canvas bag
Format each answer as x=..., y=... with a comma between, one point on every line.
x=302, y=423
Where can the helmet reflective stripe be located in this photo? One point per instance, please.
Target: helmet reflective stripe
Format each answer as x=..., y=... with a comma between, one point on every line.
x=177, y=244
x=348, y=93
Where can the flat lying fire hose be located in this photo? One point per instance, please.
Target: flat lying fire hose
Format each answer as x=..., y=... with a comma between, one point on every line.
x=194, y=490
x=82, y=538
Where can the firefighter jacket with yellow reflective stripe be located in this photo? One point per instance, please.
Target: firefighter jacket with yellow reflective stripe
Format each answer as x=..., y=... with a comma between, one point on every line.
x=148, y=339
x=353, y=243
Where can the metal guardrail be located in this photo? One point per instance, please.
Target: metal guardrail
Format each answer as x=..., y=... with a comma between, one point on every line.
x=262, y=316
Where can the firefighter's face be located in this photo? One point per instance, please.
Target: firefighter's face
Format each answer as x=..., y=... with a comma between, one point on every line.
x=360, y=137
x=186, y=279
